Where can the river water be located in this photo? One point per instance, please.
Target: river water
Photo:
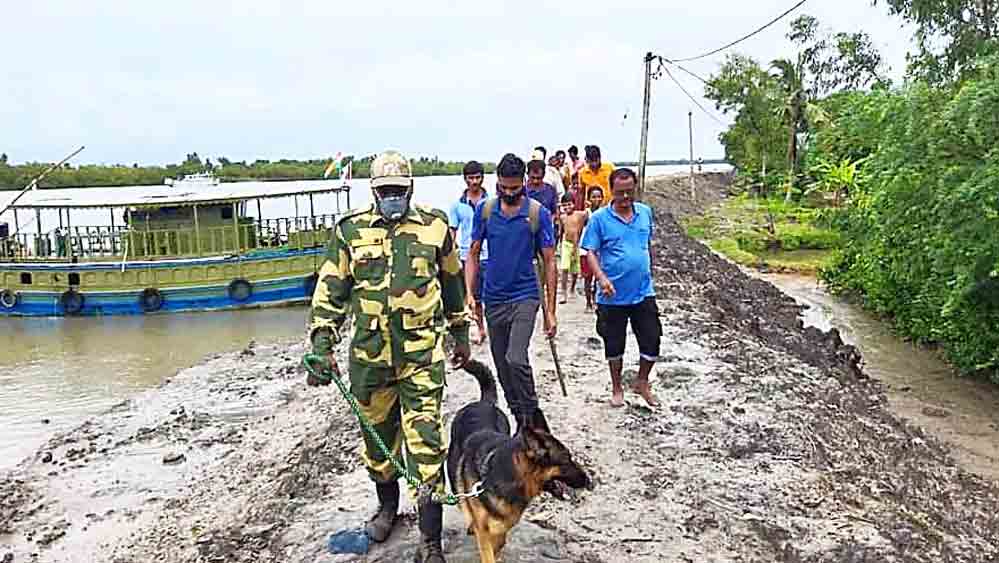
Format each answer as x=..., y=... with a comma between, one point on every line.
x=921, y=387
x=54, y=373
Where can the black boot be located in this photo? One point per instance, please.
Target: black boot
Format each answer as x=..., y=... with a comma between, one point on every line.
x=431, y=521
x=381, y=524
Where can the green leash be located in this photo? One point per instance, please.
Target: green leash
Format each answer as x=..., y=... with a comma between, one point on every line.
x=309, y=361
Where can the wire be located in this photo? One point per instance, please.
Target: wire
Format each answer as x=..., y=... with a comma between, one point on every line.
x=684, y=90
x=688, y=72
x=743, y=38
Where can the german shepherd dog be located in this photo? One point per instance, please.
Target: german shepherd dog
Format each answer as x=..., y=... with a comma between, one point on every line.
x=512, y=469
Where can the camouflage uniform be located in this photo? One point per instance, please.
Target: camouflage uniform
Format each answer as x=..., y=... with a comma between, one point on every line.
x=403, y=283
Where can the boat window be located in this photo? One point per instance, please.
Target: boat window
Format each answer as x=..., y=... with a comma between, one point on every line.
x=74, y=279
x=227, y=212
x=25, y=278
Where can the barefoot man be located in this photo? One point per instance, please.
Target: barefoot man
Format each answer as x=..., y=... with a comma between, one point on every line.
x=572, y=227
x=620, y=235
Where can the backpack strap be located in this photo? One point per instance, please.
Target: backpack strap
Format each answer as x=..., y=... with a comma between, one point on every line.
x=534, y=215
x=533, y=212
x=487, y=208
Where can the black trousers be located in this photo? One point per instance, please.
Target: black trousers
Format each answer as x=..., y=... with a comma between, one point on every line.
x=511, y=326
x=612, y=326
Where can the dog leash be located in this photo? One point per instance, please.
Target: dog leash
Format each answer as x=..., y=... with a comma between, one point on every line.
x=424, y=490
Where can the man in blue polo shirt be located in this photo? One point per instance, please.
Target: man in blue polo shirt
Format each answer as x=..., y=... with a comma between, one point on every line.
x=511, y=291
x=460, y=218
x=618, y=241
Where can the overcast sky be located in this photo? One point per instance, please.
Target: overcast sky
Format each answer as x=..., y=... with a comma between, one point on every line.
x=149, y=82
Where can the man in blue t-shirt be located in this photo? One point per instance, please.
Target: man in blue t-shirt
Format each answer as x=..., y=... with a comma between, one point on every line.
x=460, y=218
x=537, y=188
x=511, y=291
x=618, y=242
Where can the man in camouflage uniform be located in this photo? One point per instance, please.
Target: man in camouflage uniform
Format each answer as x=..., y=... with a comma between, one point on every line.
x=396, y=267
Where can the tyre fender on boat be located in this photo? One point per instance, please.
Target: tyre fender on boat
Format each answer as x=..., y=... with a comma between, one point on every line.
x=8, y=299
x=72, y=302
x=310, y=284
x=240, y=290
x=150, y=300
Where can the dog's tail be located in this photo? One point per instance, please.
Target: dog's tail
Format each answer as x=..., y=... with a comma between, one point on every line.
x=487, y=383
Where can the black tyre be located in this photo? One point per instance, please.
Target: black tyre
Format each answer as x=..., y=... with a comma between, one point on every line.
x=72, y=302
x=310, y=285
x=150, y=300
x=240, y=290
x=8, y=299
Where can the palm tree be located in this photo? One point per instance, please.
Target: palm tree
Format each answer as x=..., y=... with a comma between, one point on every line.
x=790, y=76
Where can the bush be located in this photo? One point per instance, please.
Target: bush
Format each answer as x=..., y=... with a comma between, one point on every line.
x=921, y=233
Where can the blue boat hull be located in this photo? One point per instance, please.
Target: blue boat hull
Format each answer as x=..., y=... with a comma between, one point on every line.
x=205, y=298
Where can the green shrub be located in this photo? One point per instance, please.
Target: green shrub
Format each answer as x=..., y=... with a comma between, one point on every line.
x=921, y=232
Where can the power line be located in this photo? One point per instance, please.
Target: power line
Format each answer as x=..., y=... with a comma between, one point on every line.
x=743, y=38
x=684, y=90
x=689, y=72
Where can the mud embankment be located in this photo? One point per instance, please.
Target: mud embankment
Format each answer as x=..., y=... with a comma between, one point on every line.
x=771, y=445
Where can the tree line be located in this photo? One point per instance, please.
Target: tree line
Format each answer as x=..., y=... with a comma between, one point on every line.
x=906, y=172
x=88, y=175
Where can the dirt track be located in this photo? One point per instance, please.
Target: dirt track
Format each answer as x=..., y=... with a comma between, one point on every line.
x=771, y=446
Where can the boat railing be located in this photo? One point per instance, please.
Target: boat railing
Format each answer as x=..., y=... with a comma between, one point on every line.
x=108, y=243
x=296, y=231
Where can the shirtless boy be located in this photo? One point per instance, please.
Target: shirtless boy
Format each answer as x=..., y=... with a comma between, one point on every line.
x=572, y=224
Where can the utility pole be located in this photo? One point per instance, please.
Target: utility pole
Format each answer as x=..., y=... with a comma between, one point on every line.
x=645, y=126
x=690, y=128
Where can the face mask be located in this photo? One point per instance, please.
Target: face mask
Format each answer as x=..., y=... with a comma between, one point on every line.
x=393, y=207
x=511, y=199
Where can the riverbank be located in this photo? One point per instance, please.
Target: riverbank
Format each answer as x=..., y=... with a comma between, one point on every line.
x=767, y=234
x=771, y=445
x=919, y=384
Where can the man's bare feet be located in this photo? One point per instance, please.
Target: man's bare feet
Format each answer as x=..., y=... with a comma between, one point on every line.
x=563, y=300
x=645, y=390
x=617, y=398
x=589, y=308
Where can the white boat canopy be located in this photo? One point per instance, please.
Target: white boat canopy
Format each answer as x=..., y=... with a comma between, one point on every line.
x=162, y=196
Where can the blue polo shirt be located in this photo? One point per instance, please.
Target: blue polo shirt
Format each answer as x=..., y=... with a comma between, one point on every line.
x=546, y=196
x=460, y=217
x=510, y=277
x=623, y=249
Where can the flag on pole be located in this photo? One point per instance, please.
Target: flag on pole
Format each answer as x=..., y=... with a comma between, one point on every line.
x=334, y=165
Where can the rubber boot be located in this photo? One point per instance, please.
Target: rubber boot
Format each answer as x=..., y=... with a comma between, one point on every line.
x=381, y=524
x=431, y=522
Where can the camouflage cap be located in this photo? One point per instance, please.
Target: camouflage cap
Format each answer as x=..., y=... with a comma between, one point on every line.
x=390, y=168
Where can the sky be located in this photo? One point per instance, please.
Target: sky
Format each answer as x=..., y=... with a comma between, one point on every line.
x=149, y=82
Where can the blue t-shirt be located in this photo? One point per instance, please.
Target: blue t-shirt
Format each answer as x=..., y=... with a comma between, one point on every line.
x=546, y=196
x=460, y=217
x=510, y=277
x=623, y=249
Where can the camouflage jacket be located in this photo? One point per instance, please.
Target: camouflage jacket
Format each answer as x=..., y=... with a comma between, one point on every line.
x=403, y=284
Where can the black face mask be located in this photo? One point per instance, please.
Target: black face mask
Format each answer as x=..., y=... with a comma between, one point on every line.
x=509, y=199
x=513, y=198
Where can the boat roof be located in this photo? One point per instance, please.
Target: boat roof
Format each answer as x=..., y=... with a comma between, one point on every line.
x=162, y=196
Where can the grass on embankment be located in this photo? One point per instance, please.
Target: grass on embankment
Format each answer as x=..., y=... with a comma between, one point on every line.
x=765, y=233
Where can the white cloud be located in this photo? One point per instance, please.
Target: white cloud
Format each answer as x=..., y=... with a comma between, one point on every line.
x=149, y=82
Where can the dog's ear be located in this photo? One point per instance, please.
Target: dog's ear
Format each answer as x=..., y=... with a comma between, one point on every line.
x=533, y=441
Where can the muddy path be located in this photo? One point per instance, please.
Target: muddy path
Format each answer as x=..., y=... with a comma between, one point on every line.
x=771, y=445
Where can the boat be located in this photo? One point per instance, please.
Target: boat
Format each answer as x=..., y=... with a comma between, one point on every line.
x=164, y=249
x=199, y=179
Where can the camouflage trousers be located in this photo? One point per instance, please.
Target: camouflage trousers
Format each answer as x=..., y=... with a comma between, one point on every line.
x=404, y=405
